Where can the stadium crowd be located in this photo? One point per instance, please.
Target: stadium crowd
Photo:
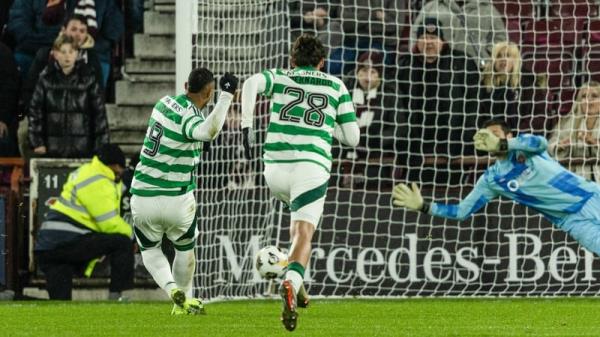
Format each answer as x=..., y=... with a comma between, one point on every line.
x=421, y=74
x=444, y=66
x=57, y=59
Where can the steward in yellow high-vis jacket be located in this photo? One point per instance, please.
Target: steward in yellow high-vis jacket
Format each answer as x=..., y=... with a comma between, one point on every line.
x=84, y=224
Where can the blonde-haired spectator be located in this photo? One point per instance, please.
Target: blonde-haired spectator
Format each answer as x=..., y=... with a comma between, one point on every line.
x=505, y=66
x=501, y=81
x=577, y=135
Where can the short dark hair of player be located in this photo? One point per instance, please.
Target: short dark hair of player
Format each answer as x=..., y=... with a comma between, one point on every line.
x=111, y=154
x=198, y=79
x=499, y=122
x=76, y=17
x=307, y=51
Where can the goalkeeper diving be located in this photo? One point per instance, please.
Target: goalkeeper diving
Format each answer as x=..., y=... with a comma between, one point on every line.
x=525, y=173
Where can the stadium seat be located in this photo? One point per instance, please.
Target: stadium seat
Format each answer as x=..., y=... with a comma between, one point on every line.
x=514, y=28
x=574, y=9
x=544, y=102
x=564, y=32
x=515, y=9
x=540, y=125
x=540, y=104
x=554, y=62
x=593, y=35
x=591, y=66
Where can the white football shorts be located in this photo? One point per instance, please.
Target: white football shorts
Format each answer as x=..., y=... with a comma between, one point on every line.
x=174, y=216
x=302, y=186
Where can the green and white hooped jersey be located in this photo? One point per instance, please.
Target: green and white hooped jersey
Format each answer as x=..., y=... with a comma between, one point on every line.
x=305, y=106
x=169, y=155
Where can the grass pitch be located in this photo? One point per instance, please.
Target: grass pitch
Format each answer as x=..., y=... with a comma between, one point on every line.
x=420, y=317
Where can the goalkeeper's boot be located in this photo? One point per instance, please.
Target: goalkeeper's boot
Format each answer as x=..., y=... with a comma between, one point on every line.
x=177, y=310
x=302, y=297
x=178, y=297
x=288, y=314
x=194, y=306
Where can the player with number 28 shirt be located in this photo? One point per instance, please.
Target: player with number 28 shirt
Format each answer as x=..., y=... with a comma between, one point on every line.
x=308, y=109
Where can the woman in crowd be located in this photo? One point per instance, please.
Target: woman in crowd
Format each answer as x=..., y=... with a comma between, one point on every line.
x=577, y=135
x=501, y=84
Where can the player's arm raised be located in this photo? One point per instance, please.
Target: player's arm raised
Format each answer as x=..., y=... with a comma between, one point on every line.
x=208, y=129
x=410, y=197
x=254, y=85
x=346, y=128
x=486, y=141
x=528, y=143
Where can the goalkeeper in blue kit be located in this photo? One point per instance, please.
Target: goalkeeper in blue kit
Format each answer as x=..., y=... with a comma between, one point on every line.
x=525, y=173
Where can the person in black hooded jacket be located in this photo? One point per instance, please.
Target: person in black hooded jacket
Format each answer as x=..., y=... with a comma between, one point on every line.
x=438, y=88
x=67, y=117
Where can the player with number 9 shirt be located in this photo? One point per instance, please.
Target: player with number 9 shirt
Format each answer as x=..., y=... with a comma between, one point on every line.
x=163, y=201
x=308, y=109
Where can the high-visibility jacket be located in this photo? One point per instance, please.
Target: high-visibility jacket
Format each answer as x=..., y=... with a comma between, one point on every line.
x=92, y=198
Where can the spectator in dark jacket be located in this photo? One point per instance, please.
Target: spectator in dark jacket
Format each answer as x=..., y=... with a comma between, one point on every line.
x=512, y=92
x=32, y=33
x=9, y=92
x=378, y=119
x=67, y=117
x=76, y=28
x=501, y=82
x=438, y=87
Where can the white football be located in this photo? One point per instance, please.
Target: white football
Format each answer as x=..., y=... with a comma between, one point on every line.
x=271, y=262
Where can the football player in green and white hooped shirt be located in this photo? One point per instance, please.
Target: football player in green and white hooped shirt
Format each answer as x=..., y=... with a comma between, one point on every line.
x=308, y=108
x=163, y=186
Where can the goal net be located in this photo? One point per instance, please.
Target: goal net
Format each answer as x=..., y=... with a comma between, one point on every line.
x=423, y=76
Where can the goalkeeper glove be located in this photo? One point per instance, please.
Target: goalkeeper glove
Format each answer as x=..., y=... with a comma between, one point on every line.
x=228, y=83
x=404, y=196
x=486, y=141
x=248, y=142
